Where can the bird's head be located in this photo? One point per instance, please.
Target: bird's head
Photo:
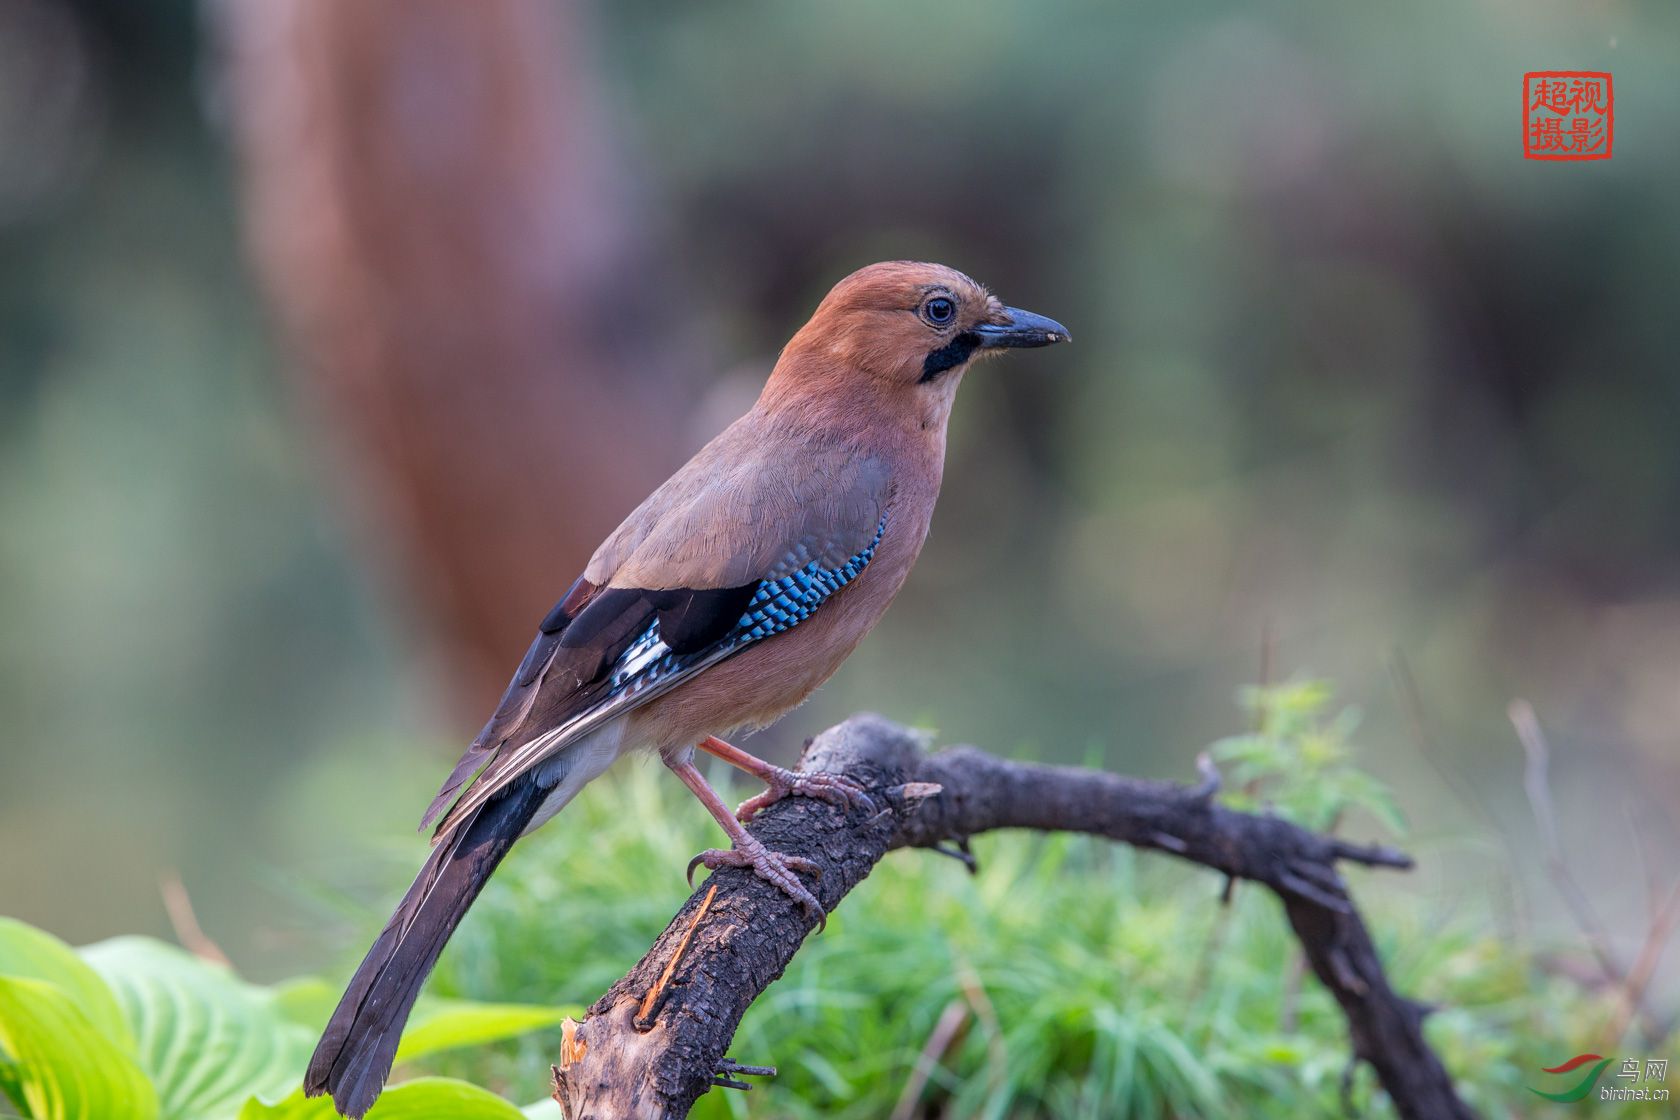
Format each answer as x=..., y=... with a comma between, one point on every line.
x=906, y=329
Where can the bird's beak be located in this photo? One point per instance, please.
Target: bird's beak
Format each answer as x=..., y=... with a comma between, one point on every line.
x=1023, y=329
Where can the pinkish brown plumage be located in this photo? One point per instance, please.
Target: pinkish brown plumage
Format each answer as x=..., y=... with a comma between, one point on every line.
x=723, y=601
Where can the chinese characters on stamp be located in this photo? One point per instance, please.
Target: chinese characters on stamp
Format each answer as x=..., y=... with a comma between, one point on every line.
x=1568, y=114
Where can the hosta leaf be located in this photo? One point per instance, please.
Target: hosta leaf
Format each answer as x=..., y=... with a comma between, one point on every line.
x=208, y=1039
x=33, y=954
x=307, y=1001
x=436, y=1024
x=63, y=1067
x=443, y=1024
x=429, y=1098
x=11, y=1086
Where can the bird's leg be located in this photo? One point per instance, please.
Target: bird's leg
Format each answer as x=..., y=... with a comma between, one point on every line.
x=749, y=851
x=779, y=782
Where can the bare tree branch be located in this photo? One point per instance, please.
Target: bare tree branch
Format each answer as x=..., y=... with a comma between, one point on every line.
x=736, y=935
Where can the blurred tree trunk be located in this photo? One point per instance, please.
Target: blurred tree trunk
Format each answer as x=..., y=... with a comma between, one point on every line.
x=437, y=212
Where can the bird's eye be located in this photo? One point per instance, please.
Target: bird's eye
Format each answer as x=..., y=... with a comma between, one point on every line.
x=939, y=310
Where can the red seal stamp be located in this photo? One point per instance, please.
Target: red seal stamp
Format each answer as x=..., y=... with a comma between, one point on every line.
x=1568, y=114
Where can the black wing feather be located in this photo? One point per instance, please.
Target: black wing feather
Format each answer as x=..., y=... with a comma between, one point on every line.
x=689, y=621
x=569, y=663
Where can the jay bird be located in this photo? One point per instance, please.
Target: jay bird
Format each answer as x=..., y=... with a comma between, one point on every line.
x=733, y=592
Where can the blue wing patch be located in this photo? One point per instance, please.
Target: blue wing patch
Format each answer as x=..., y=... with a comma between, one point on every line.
x=777, y=605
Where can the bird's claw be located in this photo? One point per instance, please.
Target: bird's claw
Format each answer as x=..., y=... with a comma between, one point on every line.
x=775, y=867
x=836, y=789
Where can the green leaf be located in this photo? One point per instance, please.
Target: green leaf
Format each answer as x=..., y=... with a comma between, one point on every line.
x=65, y=1067
x=11, y=1084
x=429, y=1098
x=444, y=1024
x=436, y=1024
x=1244, y=748
x=308, y=1001
x=34, y=954
x=208, y=1039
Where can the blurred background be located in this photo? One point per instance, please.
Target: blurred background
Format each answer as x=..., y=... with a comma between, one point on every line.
x=334, y=336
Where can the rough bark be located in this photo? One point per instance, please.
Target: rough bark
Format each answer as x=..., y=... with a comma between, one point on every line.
x=657, y=1039
x=461, y=270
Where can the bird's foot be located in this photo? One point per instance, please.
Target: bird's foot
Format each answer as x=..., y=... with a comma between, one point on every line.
x=836, y=789
x=782, y=870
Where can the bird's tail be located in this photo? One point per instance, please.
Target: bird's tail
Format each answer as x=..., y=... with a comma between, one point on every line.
x=355, y=1054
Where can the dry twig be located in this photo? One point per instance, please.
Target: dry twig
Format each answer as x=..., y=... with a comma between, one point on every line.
x=184, y=920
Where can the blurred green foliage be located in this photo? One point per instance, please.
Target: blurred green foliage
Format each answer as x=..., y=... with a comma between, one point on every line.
x=1299, y=760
